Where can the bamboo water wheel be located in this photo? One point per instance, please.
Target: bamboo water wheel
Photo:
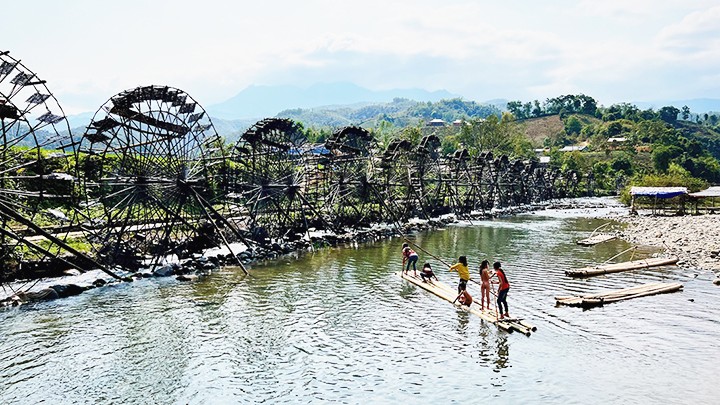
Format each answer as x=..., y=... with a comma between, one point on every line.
x=465, y=187
x=152, y=167
x=393, y=173
x=429, y=179
x=271, y=179
x=37, y=199
x=350, y=195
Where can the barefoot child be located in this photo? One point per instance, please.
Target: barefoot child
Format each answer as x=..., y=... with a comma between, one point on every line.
x=465, y=298
x=409, y=257
x=485, y=285
x=503, y=290
x=427, y=273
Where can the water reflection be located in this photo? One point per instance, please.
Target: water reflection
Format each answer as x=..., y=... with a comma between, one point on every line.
x=463, y=322
x=493, y=348
x=503, y=353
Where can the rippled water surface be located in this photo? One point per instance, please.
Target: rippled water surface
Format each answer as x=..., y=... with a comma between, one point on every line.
x=340, y=326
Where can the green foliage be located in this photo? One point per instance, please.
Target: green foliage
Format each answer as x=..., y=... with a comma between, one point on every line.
x=573, y=125
x=317, y=135
x=669, y=114
x=622, y=163
x=492, y=134
x=412, y=134
x=453, y=109
x=384, y=133
x=574, y=161
x=662, y=155
x=676, y=176
x=563, y=105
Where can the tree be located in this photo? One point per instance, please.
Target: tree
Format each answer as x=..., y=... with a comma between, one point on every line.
x=685, y=112
x=613, y=113
x=516, y=108
x=622, y=163
x=412, y=134
x=614, y=128
x=669, y=114
x=537, y=109
x=573, y=126
x=492, y=134
x=662, y=155
x=384, y=132
x=574, y=161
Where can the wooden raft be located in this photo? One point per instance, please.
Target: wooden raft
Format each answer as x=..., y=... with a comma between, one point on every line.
x=599, y=299
x=449, y=294
x=624, y=266
x=594, y=240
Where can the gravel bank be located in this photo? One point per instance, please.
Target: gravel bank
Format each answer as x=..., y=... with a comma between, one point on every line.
x=694, y=239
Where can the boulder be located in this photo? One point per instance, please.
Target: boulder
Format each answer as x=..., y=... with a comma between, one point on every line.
x=67, y=290
x=164, y=271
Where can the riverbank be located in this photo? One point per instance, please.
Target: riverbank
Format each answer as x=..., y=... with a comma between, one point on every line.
x=694, y=239
x=204, y=263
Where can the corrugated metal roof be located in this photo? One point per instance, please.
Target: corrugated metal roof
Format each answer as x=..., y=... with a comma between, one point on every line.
x=710, y=192
x=659, y=192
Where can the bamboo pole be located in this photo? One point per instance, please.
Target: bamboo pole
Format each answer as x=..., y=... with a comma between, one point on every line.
x=598, y=228
x=586, y=300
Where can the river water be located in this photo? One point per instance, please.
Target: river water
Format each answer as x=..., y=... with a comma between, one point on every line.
x=340, y=326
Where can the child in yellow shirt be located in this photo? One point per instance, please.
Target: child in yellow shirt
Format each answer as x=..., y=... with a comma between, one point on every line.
x=462, y=269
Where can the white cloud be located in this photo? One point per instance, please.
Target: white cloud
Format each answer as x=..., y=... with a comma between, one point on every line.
x=524, y=49
x=697, y=32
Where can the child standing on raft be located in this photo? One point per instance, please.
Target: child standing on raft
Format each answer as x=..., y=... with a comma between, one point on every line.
x=409, y=257
x=503, y=290
x=462, y=269
x=485, y=275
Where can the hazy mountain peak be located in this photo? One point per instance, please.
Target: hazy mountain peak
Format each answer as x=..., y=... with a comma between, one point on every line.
x=257, y=101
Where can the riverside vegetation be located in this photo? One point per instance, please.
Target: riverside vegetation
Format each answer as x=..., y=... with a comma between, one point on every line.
x=622, y=145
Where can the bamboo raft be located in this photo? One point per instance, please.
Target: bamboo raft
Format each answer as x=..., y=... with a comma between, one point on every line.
x=599, y=299
x=624, y=266
x=594, y=240
x=449, y=294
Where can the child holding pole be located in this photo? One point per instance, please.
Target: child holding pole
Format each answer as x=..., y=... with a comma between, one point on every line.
x=462, y=269
x=504, y=287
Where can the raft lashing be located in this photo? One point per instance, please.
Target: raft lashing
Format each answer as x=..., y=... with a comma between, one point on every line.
x=449, y=294
x=606, y=297
x=624, y=266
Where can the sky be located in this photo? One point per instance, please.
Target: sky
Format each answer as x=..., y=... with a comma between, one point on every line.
x=612, y=50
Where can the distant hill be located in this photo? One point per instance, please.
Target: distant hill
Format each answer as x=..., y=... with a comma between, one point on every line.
x=400, y=112
x=696, y=105
x=266, y=101
x=229, y=129
x=537, y=129
x=80, y=121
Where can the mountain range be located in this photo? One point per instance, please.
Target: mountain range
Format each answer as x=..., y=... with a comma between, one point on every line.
x=266, y=101
x=260, y=101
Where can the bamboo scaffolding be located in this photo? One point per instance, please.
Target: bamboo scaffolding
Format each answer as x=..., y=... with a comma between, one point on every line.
x=601, y=298
x=624, y=266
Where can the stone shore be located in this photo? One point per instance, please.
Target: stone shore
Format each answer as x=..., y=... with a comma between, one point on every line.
x=694, y=239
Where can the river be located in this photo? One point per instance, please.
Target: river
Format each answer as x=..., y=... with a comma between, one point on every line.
x=340, y=326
